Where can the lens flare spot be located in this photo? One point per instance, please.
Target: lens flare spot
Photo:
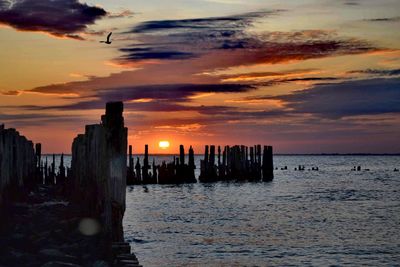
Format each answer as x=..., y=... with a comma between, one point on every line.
x=89, y=226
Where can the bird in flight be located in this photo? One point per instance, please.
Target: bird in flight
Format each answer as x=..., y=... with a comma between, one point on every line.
x=108, y=39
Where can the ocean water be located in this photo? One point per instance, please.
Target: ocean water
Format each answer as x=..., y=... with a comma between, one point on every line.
x=330, y=217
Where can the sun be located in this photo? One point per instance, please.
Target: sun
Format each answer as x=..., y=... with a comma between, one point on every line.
x=163, y=144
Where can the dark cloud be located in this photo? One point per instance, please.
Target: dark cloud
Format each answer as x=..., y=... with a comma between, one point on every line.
x=171, y=92
x=351, y=3
x=149, y=53
x=350, y=98
x=61, y=18
x=185, y=39
x=166, y=97
x=387, y=19
x=382, y=72
x=35, y=119
x=222, y=25
x=189, y=37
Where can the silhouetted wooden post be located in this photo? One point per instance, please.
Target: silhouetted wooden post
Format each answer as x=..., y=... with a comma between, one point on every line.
x=212, y=170
x=259, y=163
x=268, y=164
x=130, y=177
x=259, y=154
x=17, y=166
x=212, y=156
x=38, y=160
x=191, y=159
x=53, y=170
x=192, y=166
x=251, y=156
x=182, y=155
x=146, y=166
x=46, y=173
x=206, y=156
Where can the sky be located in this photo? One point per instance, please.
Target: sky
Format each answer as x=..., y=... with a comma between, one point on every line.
x=306, y=76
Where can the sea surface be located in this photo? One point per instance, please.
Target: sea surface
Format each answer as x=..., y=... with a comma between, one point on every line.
x=333, y=216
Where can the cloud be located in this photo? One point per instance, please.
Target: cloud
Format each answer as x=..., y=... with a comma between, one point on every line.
x=11, y=93
x=149, y=53
x=351, y=3
x=215, y=24
x=378, y=72
x=230, y=36
x=172, y=92
x=164, y=97
x=60, y=18
x=387, y=19
x=35, y=119
x=344, y=99
x=123, y=14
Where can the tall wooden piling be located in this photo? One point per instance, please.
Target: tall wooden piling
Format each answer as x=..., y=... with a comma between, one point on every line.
x=99, y=171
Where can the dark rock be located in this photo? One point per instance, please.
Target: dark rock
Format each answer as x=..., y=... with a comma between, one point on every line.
x=55, y=254
x=100, y=264
x=60, y=264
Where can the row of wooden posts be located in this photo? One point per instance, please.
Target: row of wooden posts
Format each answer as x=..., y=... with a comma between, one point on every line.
x=99, y=173
x=234, y=164
x=47, y=173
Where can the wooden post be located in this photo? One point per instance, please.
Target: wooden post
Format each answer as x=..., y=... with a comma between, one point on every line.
x=268, y=164
x=130, y=178
x=53, y=170
x=38, y=160
x=192, y=166
x=17, y=166
x=206, y=155
x=182, y=155
x=99, y=171
x=146, y=166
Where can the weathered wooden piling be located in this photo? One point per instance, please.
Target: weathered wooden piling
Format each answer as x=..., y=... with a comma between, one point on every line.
x=130, y=176
x=99, y=171
x=236, y=164
x=17, y=165
x=177, y=171
x=38, y=163
x=145, y=169
x=268, y=164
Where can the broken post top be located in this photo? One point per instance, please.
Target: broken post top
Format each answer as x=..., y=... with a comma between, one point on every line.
x=113, y=117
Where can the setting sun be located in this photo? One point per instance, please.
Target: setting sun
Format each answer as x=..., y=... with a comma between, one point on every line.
x=163, y=144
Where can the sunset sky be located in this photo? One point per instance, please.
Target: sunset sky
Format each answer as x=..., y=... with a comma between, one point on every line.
x=306, y=76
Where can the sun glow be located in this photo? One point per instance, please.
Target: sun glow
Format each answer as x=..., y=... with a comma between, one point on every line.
x=163, y=144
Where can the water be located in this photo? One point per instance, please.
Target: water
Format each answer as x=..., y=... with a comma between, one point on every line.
x=331, y=217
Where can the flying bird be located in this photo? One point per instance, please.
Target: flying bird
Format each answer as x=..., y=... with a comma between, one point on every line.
x=108, y=39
